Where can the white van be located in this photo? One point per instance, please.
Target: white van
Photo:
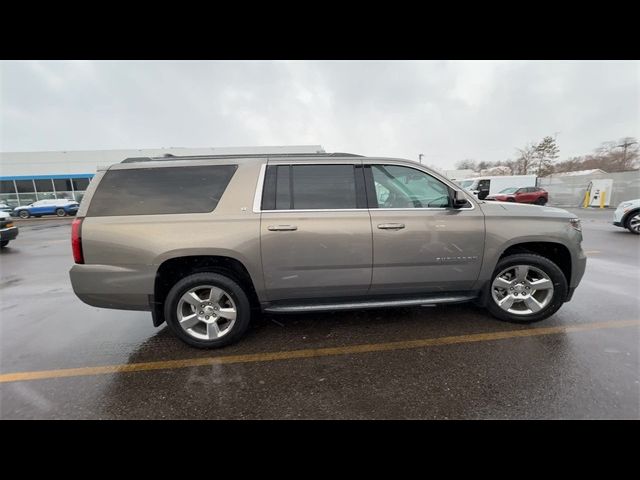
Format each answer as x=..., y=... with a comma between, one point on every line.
x=483, y=186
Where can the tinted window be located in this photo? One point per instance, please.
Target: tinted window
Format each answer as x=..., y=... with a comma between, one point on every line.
x=80, y=184
x=323, y=187
x=311, y=187
x=152, y=191
x=44, y=185
x=283, y=188
x=24, y=186
x=404, y=187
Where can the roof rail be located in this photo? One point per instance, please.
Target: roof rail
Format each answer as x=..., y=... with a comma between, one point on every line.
x=170, y=157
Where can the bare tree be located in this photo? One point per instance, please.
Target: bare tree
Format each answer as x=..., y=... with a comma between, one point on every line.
x=526, y=157
x=467, y=163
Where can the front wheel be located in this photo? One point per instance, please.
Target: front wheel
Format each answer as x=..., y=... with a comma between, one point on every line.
x=4, y=243
x=633, y=223
x=526, y=288
x=60, y=212
x=207, y=310
x=24, y=214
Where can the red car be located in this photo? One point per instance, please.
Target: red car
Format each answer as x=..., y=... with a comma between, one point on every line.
x=536, y=195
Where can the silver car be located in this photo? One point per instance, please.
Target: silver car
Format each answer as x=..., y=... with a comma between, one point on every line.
x=202, y=242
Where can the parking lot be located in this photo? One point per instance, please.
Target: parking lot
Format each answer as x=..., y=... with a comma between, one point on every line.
x=62, y=359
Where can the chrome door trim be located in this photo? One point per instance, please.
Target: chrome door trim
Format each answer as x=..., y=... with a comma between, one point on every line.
x=257, y=199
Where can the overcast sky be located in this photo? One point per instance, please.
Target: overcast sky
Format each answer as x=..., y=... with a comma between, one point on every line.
x=448, y=111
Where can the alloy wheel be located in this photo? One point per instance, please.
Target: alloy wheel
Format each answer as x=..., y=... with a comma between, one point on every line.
x=522, y=290
x=206, y=312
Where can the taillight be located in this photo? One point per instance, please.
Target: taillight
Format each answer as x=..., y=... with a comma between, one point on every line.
x=76, y=240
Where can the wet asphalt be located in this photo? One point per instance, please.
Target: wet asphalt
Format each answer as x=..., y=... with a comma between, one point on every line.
x=590, y=374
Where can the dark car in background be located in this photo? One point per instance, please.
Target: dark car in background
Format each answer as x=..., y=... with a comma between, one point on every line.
x=60, y=207
x=536, y=195
x=8, y=231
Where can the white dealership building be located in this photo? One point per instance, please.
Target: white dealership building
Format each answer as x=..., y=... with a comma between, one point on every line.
x=26, y=177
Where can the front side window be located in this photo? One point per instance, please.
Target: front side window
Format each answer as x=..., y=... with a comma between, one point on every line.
x=404, y=187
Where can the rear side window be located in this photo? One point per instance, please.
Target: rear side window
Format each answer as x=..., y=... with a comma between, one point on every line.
x=153, y=191
x=313, y=187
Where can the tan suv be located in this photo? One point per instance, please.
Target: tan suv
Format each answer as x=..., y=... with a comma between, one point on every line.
x=202, y=242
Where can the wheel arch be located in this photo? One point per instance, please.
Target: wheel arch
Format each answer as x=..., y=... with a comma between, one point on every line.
x=173, y=269
x=628, y=215
x=557, y=252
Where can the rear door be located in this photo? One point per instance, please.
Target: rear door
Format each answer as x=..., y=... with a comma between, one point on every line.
x=420, y=243
x=315, y=230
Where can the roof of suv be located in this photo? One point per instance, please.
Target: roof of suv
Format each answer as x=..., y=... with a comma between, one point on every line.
x=177, y=161
x=171, y=158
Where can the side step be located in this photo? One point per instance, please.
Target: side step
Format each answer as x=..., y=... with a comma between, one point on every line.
x=351, y=304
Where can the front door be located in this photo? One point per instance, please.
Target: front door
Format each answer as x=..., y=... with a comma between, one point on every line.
x=420, y=243
x=315, y=231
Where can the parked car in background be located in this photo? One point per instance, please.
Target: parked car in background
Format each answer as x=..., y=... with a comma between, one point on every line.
x=60, y=207
x=481, y=187
x=536, y=195
x=8, y=231
x=627, y=215
x=6, y=208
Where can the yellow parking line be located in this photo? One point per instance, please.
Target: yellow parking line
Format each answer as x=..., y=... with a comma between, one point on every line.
x=309, y=353
x=592, y=252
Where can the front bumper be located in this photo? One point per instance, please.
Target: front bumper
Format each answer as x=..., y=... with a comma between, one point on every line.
x=618, y=215
x=7, y=234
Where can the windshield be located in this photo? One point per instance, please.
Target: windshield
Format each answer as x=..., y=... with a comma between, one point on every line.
x=465, y=183
x=509, y=190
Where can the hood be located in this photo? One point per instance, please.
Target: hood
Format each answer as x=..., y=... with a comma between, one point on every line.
x=523, y=210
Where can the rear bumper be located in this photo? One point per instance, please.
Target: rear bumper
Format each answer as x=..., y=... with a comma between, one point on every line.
x=7, y=234
x=106, y=286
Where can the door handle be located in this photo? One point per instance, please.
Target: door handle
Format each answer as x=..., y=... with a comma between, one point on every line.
x=391, y=226
x=281, y=228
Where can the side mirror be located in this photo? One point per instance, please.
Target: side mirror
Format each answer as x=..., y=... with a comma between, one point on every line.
x=459, y=199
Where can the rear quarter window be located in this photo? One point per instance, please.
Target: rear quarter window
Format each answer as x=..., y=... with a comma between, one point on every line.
x=165, y=190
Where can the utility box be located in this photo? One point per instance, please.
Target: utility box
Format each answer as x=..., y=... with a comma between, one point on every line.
x=598, y=193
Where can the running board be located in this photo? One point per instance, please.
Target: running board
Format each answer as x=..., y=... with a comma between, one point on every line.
x=364, y=304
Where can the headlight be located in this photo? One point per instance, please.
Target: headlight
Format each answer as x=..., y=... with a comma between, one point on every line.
x=575, y=223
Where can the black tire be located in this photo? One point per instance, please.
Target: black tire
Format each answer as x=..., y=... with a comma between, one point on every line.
x=627, y=222
x=560, y=288
x=60, y=212
x=235, y=291
x=541, y=201
x=511, y=199
x=4, y=243
x=24, y=214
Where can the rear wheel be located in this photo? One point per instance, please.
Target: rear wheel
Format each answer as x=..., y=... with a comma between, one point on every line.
x=24, y=214
x=633, y=223
x=541, y=201
x=60, y=212
x=207, y=310
x=526, y=288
